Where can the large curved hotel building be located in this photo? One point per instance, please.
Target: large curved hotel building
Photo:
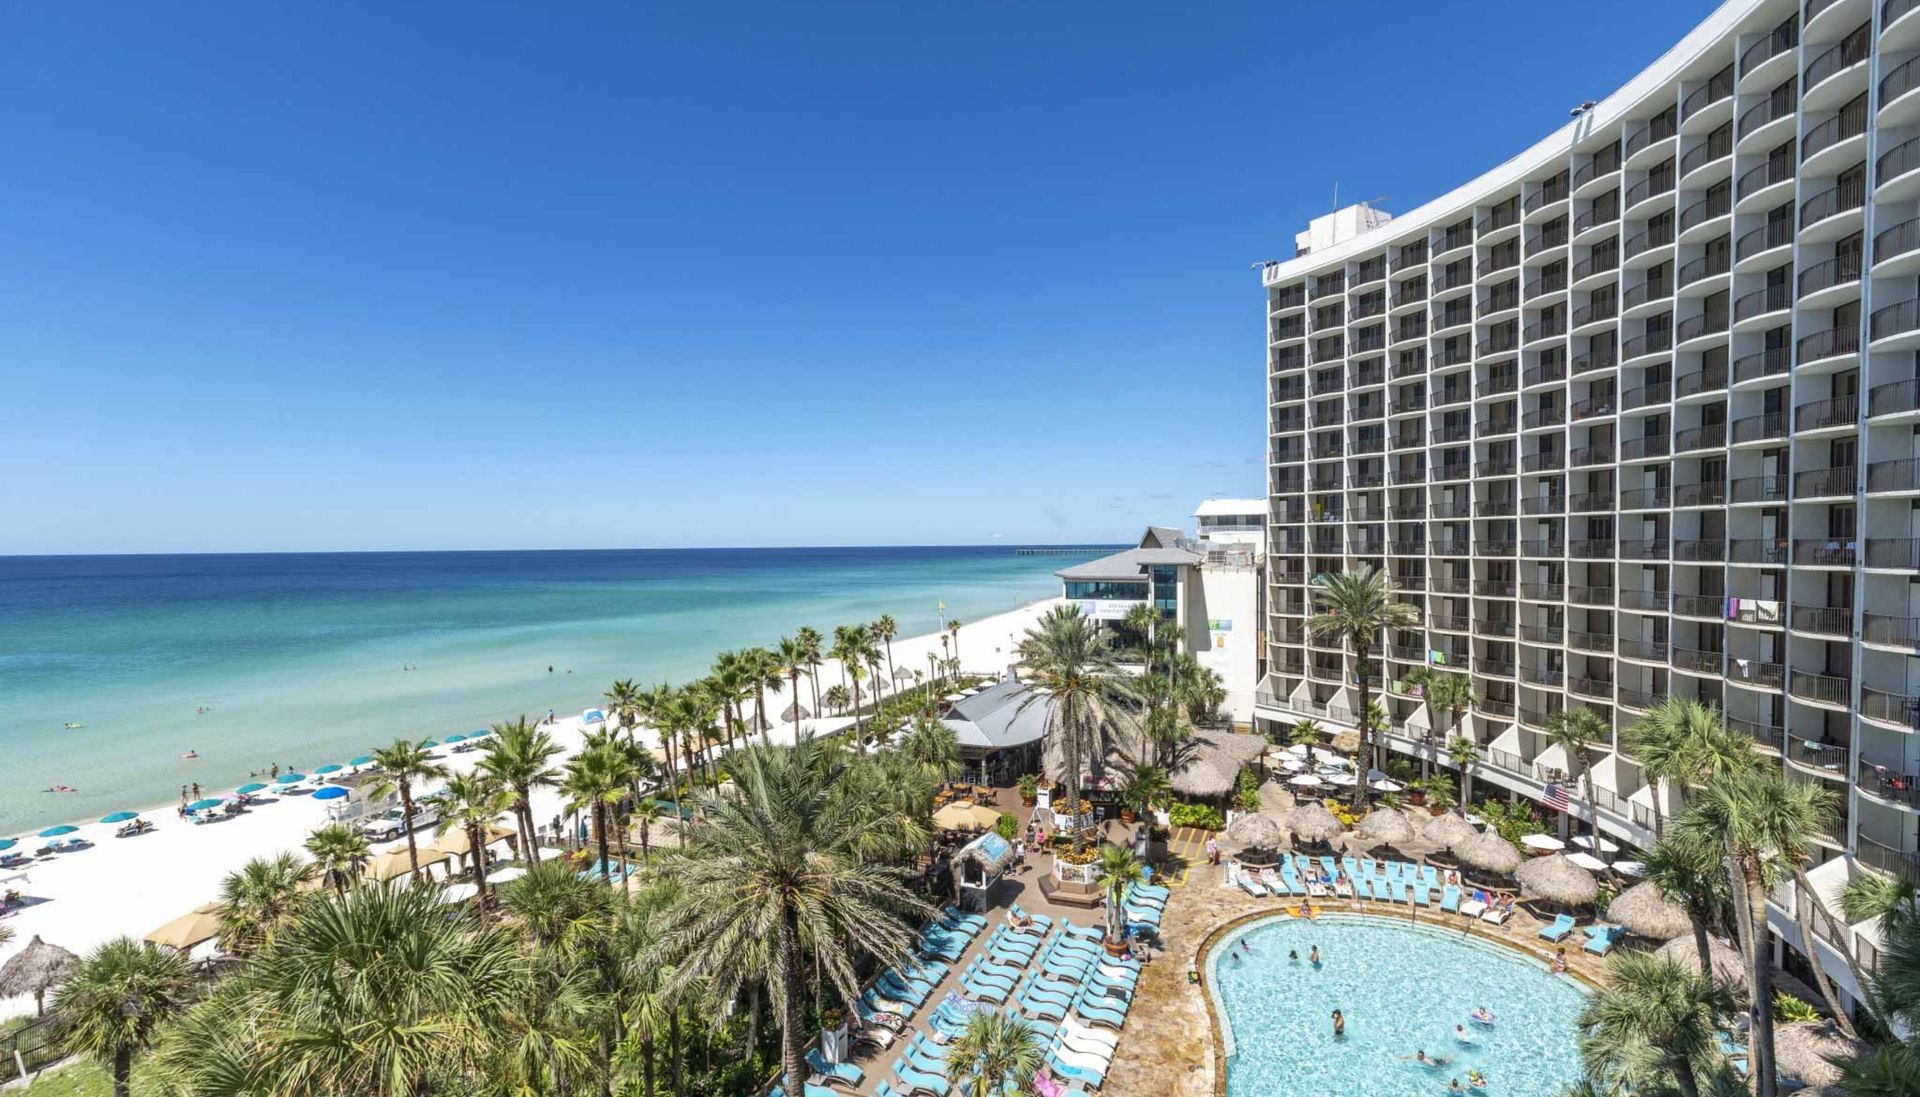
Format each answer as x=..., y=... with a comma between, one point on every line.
x=1635, y=414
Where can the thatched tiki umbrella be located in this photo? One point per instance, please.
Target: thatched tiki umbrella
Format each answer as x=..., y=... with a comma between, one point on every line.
x=1253, y=830
x=1647, y=912
x=794, y=713
x=1488, y=852
x=1729, y=966
x=1805, y=1050
x=35, y=970
x=1312, y=822
x=1346, y=742
x=1386, y=827
x=1448, y=831
x=1557, y=880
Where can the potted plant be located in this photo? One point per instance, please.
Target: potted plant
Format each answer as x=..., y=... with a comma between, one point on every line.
x=1437, y=793
x=1144, y=787
x=1118, y=871
x=1029, y=787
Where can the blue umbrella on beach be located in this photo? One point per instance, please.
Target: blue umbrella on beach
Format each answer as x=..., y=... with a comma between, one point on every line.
x=120, y=817
x=9, y=843
x=249, y=790
x=203, y=805
x=331, y=792
x=456, y=738
x=289, y=778
x=363, y=760
x=481, y=734
x=328, y=768
x=429, y=744
x=55, y=832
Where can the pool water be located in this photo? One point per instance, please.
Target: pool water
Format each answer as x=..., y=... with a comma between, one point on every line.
x=1402, y=988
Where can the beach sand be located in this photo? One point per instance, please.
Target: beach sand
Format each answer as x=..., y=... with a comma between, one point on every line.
x=130, y=886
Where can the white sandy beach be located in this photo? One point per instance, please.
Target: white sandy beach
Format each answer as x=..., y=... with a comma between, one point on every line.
x=130, y=886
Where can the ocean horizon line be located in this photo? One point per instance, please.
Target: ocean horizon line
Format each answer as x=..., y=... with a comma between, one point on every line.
x=478, y=551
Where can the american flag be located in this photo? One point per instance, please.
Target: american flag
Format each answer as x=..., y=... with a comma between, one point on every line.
x=1556, y=797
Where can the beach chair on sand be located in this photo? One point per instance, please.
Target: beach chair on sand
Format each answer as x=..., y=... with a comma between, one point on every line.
x=1558, y=931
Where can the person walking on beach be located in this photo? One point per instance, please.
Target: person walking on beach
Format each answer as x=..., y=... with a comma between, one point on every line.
x=274, y=771
x=183, y=796
x=196, y=790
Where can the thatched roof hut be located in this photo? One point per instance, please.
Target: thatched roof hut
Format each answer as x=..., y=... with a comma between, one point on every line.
x=1213, y=763
x=1806, y=1050
x=1557, y=880
x=1417, y=818
x=1346, y=742
x=1312, y=822
x=1488, y=852
x=35, y=970
x=794, y=713
x=1729, y=967
x=1419, y=847
x=1387, y=827
x=1647, y=912
x=1448, y=831
x=1254, y=830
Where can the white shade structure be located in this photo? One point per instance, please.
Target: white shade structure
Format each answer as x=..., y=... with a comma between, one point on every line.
x=1305, y=780
x=1607, y=845
x=1545, y=843
x=506, y=875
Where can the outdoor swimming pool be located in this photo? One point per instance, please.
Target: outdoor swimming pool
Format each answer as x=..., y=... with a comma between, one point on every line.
x=1402, y=987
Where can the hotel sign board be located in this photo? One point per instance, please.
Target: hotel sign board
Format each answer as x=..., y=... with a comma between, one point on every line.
x=1105, y=609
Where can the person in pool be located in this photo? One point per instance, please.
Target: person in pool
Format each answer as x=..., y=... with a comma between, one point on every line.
x=1420, y=1056
x=1455, y=1087
x=1481, y=1016
x=1461, y=1035
x=1313, y=957
x=1293, y=956
x=1339, y=1025
x=1476, y=1079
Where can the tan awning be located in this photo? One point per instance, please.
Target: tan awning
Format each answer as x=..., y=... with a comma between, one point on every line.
x=392, y=866
x=190, y=929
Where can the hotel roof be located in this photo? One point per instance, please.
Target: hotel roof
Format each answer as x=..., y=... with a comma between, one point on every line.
x=999, y=717
x=1130, y=564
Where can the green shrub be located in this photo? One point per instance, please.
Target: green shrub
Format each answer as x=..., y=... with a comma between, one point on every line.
x=1787, y=1009
x=1198, y=816
x=1008, y=827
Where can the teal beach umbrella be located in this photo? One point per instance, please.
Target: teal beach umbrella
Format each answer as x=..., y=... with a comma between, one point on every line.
x=289, y=778
x=9, y=843
x=120, y=817
x=429, y=744
x=363, y=760
x=55, y=832
x=481, y=734
x=331, y=792
x=248, y=790
x=328, y=768
x=456, y=738
x=202, y=805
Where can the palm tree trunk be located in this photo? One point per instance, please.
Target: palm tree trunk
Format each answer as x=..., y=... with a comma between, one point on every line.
x=620, y=836
x=1683, y=1078
x=889, y=643
x=859, y=726
x=676, y=1054
x=1804, y=915
x=1359, y=798
x=122, y=1072
x=406, y=821
x=646, y=1066
x=600, y=839
x=1753, y=913
x=793, y=680
x=792, y=1033
x=474, y=837
x=1702, y=944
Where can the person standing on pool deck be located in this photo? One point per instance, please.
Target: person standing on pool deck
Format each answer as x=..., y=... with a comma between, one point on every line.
x=1339, y=1026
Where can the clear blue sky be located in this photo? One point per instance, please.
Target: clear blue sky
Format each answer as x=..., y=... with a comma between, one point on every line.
x=479, y=275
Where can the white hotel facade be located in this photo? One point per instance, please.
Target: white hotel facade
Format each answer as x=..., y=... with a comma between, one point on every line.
x=1633, y=414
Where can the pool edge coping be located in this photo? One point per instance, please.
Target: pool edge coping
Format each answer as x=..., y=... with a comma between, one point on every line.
x=1213, y=937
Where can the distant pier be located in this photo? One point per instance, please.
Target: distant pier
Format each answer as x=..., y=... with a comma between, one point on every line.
x=1084, y=550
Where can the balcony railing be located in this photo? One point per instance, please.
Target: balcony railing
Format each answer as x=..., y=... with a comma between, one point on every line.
x=1891, y=784
x=1698, y=605
x=1823, y=552
x=1851, y=122
x=1843, y=198
x=1893, y=552
x=1756, y=428
x=1705, y=379
x=1597, y=688
x=1700, y=550
x=1816, y=483
x=1705, y=436
x=1654, y=601
x=1755, y=673
x=1890, y=708
x=1757, y=550
x=1784, y=38
x=1892, y=631
x=1770, y=736
x=1826, y=689
x=1705, y=493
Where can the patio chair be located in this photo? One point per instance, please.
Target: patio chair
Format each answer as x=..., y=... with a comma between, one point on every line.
x=1559, y=929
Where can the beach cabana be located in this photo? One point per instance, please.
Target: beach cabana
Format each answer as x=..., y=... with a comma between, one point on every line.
x=1213, y=763
x=1346, y=742
x=1312, y=822
x=190, y=930
x=1646, y=912
x=454, y=843
x=1448, y=830
x=794, y=713
x=35, y=970
x=1488, y=852
x=977, y=867
x=1729, y=966
x=593, y=716
x=392, y=866
x=1556, y=880
x=1000, y=730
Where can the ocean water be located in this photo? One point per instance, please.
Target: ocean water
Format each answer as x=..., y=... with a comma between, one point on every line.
x=298, y=658
x=1402, y=988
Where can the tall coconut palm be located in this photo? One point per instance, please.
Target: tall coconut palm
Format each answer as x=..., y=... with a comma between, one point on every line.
x=856, y=672
x=932, y=747
x=730, y=682
x=1654, y=1023
x=646, y=813
x=996, y=1053
x=259, y=898
x=473, y=802
x=1117, y=871
x=1306, y=732
x=340, y=853
x=404, y=767
x=1683, y=742
x=117, y=1000
x=790, y=657
x=520, y=756
x=810, y=642
x=623, y=704
x=594, y=781
x=1078, y=678
x=837, y=698
x=1356, y=606
x=1446, y=696
x=764, y=668
x=884, y=629
x=1692, y=873
x=1758, y=818
x=1462, y=753
x=953, y=629
x=777, y=876
x=1576, y=731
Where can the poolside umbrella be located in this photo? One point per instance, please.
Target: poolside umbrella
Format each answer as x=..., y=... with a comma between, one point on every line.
x=1806, y=1050
x=1646, y=912
x=902, y=674
x=506, y=875
x=1489, y=852
x=1312, y=822
x=794, y=713
x=120, y=817
x=1254, y=830
x=331, y=792
x=289, y=778
x=363, y=760
x=35, y=970
x=1557, y=880
x=250, y=789
x=1385, y=828
x=1305, y=780
x=1542, y=843
x=1729, y=966
x=203, y=805
x=330, y=767
x=195, y=927
x=1346, y=742
x=55, y=832
x=965, y=815
x=1449, y=830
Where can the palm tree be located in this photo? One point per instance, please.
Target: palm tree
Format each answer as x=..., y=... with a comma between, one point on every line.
x=340, y=853
x=1144, y=786
x=1463, y=752
x=1575, y=731
x=1886, y=1070
x=259, y=898
x=472, y=803
x=996, y=1053
x=730, y=682
x=836, y=698
x=1067, y=667
x=884, y=630
x=647, y=813
x=1759, y=818
x=790, y=657
x=595, y=779
x=520, y=755
x=953, y=629
x=623, y=703
x=405, y=766
x=1441, y=692
x=1654, y=1022
x=777, y=875
x=764, y=670
x=810, y=640
x=1356, y=605
x=932, y=747
x=1692, y=873
x=117, y=999
x=1305, y=733
x=1118, y=871
x=1683, y=742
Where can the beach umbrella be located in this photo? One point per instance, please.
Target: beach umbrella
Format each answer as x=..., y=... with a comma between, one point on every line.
x=120, y=817
x=35, y=970
x=188, y=930
x=250, y=789
x=458, y=893
x=1585, y=841
x=1488, y=851
x=965, y=815
x=55, y=832
x=1343, y=780
x=1557, y=880
x=289, y=778
x=593, y=716
x=902, y=674
x=1806, y=1050
x=1729, y=966
x=331, y=792
x=1254, y=830
x=506, y=875
x=1346, y=742
x=203, y=805
x=1385, y=827
x=456, y=738
x=330, y=767
x=429, y=744
x=1386, y=786
x=1588, y=861
x=955, y=697
x=1312, y=822
x=1544, y=843
x=8, y=843
x=794, y=713
x=1448, y=830
x=363, y=760
x=480, y=734
x=1646, y=912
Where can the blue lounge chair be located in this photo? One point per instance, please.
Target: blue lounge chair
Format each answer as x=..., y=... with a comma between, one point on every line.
x=845, y=1073
x=807, y=1090
x=1450, y=899
x=1351, y=864
x=954, y=915
x=1326, y=864
x=1602, y=942
x=1558, y=931
x=1085, y=933
x=1042, y=921
x=1422, y=895
x=920, y=1081
x=986, y=992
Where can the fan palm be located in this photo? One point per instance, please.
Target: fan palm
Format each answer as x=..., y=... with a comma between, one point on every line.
x=1653, y=1023
x=259, y=898
x=1693, y=873
x=777, y=876
x=836, y=698
x=932, y=747
x=472, y=803
x=623, y=704
x=340, y=853
x=810, y=642
x=1447, y=696
x=1145, y=786
x=790, y=656
x=116, y=1001
x=730, y=682
x=595, y=779
x=1683, y=742
x=1463, y=752
x=953, y=629
x=1066, y=666
x=1306, y=733
x=995, y=1054
x=520, y=756
x=1575, y=731
x=1356, y=606
x=764, y=668
x=646, y=813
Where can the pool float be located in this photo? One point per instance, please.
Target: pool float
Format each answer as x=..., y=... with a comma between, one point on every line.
x=1476, y=1079
x=1481, y=1016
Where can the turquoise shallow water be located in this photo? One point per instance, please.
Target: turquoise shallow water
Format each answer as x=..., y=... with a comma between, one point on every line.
x=298, y=658
x=1402, y=989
